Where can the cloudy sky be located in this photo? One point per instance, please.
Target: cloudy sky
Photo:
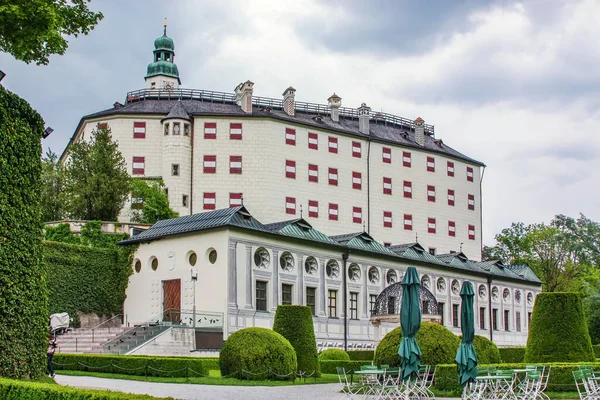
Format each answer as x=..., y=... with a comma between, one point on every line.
x=515, y=85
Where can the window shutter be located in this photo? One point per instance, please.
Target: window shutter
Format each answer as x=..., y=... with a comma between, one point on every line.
x=210, y=164
x=451, y=228
x=235, y=131
x=408, y=189
x=431, y=193
x=356, y=149
x=290, y=205
x=313, y=209
x=386, y=155
x=290, y=169
x=408, y=222
x=333, y=144
x=357, y=215
x=139, y=130
x=406, y=159
x=290, y=136
x=210, y=130
x=450, y=197
x=450, y=168
x=430, y=164
x=431, y=225
x=333, y=176
x=387, y=219
x=387, y=185
x=210, y=201
x=235, y=199
x=313, y=173
x=333, y=212
x=356, y=180
x=313, y=141
x=235, y=164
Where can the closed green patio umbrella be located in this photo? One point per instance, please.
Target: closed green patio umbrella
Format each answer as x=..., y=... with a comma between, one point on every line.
x=466, y=359
x=410, y=320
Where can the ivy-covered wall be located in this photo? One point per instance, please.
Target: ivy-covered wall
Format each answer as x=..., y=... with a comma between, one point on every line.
x=23, y=299
x=83, y=279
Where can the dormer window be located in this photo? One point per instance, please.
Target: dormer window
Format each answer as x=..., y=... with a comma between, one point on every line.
x=176, y=128
x=166, y=129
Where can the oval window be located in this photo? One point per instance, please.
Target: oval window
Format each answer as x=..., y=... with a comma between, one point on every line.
x=212, y=256
x=193, y=258
x=154, y=263
x=138, y=266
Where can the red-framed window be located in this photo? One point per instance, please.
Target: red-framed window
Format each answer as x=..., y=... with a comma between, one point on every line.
x=333, y=176
x=406, y=159
x=387, y=219
x=471, y=202
x=210, y=164
x=313, y=209
x=356, y=180
x=471, y=232
x=333, y=212
x=235, y=199
x=333, y=144
x=431, y=225
x=138, y=166
x=139, y=130
x=387, y=185
x=386, y=155
x=470, y=174
x=408, y=222
x=356, y=149
x=313, y=173
x=407, y=189
x=430, y=164
x=451, y=197
x=290, y=169
x=290, y=136
x=210, y=201
x=210, y=130
x=313, y=141
x=431, y=193
x=450, y=168
x=235, y=164
x=290, y=205
x=357, y=215
x=235, y=131
x=451, y=228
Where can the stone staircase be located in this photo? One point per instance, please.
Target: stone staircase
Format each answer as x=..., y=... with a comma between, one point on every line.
x=87, y=340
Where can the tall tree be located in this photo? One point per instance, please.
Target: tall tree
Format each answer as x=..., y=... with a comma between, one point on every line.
x=150, y=202
x=32, y=30
x=97, y=179
x=53, y=188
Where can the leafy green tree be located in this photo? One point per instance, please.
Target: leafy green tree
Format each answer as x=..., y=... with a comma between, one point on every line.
x=53, y=188
x=97, y=179
x=61, y=233
x=150, y=196
x=32, y=30
x=591, y=306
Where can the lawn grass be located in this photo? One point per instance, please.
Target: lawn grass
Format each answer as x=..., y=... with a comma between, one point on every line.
x=214, y=378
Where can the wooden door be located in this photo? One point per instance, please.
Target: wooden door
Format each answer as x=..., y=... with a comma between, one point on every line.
x=172, y=300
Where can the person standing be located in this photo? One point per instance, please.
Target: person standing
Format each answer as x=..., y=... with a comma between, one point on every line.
x=50, y=354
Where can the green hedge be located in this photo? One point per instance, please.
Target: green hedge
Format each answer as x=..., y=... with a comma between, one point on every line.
x=19, y=390
x=561, y=377
x=258, y=353
x=295, y=323
x=558, y=330
x=361, y=355
x=438, y=345
x=329, y=366
x=486, y=350
x=23, y=293
x=334, y=354
x=512, y=354
x=135, y=365
x=86, y=280
x=596, y=348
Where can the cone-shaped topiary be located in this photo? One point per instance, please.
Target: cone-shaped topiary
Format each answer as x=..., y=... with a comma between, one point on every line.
x=437, y=344
x=558, y=330
x=334, y=355
x=258, y=353
x=295, y=323
x=486, y=350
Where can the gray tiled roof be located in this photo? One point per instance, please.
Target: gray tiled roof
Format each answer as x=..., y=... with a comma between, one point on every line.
x=239, y=217
x=178, y=112
x=379, y=130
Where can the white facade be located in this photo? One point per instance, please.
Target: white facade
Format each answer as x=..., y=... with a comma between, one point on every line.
x=229, y=286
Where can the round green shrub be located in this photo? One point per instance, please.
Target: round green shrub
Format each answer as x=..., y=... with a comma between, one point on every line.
x=438, y=346
x=23, y=292
x=334, y=355
x=486, y=350
x=558, y=330
x=257, y=353
x=295, y=323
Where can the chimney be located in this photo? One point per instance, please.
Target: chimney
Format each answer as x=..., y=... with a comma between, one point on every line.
x=363, y=118
x=246, y=97
x=335, y=102
x=420, y=131
x=289, y=105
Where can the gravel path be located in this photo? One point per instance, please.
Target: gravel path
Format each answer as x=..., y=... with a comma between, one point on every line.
x=329, y=391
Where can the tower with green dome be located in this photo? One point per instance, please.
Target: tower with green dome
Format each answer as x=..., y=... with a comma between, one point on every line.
x=162, y=72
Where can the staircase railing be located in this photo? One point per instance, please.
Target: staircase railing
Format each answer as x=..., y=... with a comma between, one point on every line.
x=170, y=318
x=92, y=329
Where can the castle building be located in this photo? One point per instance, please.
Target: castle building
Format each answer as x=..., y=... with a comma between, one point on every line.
x=282, y=200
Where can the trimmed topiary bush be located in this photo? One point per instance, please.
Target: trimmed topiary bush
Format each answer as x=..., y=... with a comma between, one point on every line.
x=437, y=344
x=596, y=348
x=487, y=351
x=23, y=297
x=258, y=353
x=558, y=330
x=334, y=355
x=295, y=323
x=512, y=354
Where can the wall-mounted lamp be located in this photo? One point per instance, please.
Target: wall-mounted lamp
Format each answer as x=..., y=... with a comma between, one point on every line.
x=47, y=131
